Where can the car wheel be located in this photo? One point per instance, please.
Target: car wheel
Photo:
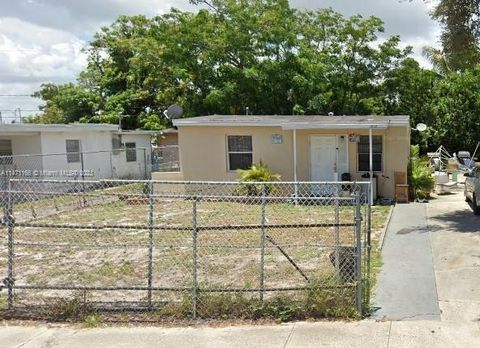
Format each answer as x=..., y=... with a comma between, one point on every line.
x=475, y=207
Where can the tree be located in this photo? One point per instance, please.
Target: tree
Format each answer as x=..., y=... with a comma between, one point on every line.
x=456, y=101
x=342, y=67
x=66, y=103
x=259, y=54
x=409, y=90
x=460, y=20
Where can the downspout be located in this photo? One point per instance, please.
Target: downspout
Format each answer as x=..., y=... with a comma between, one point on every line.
x=295, y=177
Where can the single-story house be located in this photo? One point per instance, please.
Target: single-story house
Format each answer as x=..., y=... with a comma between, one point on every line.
x=62, y=150
x=300, y=148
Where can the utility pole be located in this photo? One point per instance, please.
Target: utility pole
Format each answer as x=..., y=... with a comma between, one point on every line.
x=20, y=114
x=120, y=122
x=1, y=120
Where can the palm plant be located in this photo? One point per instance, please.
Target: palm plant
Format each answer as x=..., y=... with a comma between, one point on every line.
x=437, y=59
x=420, y=175
x=258, y=172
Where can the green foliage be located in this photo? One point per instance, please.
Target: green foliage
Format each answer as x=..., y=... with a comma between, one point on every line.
x=447, y=104
x=3, y=303
x=420, y=178
x=259, y=172
x=92, y=321
x=257, y=53
x=455, y=110
x=329, y=303
x=408, y=90
x=314, y=302
x=460, y=20
x=69, y=310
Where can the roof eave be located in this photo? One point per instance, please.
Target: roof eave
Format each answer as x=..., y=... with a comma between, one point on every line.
x=138, y=132
x=291, y=126
x=390, y=123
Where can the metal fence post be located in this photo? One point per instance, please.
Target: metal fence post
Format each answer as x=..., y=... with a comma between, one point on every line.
x=368, y=250
x=358, y=252
x=111, y=163
x=262, y=243
x=150, y=242
x=194, y=256
x=10, y=224
x=145, y=164
x=83, y=178
x=337, y=235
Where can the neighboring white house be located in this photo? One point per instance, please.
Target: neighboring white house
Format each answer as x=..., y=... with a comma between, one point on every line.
x=62, y=151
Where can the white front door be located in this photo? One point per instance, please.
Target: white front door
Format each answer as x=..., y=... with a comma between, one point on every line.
x=323, y=158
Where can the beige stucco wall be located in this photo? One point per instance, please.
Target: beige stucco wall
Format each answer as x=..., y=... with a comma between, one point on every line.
x=167, y=176
x=167, y=139
x=203, y=154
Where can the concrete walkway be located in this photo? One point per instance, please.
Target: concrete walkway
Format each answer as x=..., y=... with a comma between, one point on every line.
x=408, y=334
x=455, y=238
x=406, y=288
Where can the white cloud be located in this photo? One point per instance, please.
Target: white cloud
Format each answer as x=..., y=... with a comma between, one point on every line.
x=32, y=54
x=83, y=16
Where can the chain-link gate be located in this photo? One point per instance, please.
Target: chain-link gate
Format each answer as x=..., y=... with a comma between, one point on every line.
x=189, y=249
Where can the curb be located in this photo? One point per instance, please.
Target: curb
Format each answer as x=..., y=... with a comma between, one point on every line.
x=384, y=231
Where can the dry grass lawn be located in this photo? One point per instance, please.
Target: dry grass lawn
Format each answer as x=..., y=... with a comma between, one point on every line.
x=228, y=244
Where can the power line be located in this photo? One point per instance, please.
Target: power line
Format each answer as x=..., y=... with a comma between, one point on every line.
x=17, y=95
x=12, y=110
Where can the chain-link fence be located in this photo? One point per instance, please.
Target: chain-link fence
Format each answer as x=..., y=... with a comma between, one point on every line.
x=123, y=163
x=165, y=158
x=186, y=249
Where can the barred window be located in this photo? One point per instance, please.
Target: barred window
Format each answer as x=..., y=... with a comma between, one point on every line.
x=364, y=153
x=131, y=152
x=73, y=150
x=116, y=144
x=240, y=154
x=5, y=151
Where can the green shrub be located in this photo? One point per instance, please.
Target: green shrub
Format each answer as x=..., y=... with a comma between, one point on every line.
x=315, y=302
x=226, y=306
x=257, y=173
x=92, y=321
x=74, y=309
x=3, y=302
x=420, y=176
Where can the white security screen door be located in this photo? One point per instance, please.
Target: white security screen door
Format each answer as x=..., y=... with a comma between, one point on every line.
x=323, y=158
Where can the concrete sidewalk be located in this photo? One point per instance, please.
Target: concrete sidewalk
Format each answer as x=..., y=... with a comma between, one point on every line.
x=406, y=287
x=455, y=237
x=322, y=334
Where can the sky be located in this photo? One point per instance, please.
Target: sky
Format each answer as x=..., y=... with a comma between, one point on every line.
x=42, y=40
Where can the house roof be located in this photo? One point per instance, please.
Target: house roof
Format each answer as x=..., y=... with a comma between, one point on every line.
x=74, y=127
x=169, y=131
x=296, y=122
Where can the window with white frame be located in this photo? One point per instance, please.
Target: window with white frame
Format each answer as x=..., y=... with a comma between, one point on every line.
x=131, y=152
x=73, y=150
x=364, y=153
x=240, y=153
x=6, y=151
